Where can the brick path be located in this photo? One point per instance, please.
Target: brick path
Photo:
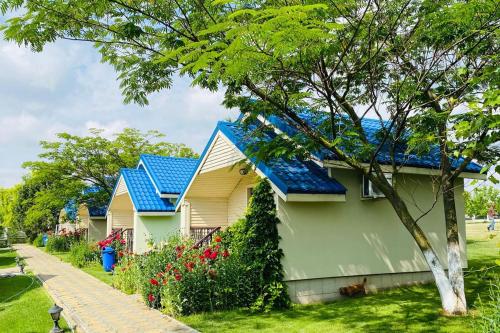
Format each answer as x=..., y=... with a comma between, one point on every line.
x=91, y=305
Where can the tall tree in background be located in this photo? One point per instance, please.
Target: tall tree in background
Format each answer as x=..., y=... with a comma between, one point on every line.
x=341, y=60
x=96, y=160
x=73, y=163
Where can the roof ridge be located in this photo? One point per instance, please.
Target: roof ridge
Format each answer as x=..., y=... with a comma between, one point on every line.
x=170, y=157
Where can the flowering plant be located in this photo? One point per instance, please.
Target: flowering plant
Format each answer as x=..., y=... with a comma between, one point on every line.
x=116, y=242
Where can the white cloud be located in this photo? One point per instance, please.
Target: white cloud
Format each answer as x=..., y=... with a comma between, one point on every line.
x=66, y=89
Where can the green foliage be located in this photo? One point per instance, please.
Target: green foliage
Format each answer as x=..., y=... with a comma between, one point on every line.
x=82, y=254
x=489, y=316
x=8, y=197
x=256, y=240
x=480, y=199
x=38, y=241
x=62, y=242
x=128, y=275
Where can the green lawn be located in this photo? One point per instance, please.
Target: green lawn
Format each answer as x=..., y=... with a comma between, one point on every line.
x=94, y=269
x=412, y=309
x=24, y=306
x=7, y=258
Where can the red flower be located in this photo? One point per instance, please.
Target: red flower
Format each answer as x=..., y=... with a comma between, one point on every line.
x=179, y=254
x=168, y=267
x=225, y=254
x=213, y=255
x=117, y=236
x=207, y=253
x=154, y=282
x=218, y=239
x=120, y=254
x=190, y=266
x=151, y=298
x=123, y=241
x=178, y=277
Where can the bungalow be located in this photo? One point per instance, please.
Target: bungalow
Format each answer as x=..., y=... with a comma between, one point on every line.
x=94, y=220
x=143, y=201
x=336, y=227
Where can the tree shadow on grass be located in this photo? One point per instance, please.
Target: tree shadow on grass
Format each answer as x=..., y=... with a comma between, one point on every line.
x=401, y=310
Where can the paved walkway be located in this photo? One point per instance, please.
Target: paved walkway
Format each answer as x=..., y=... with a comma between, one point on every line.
x=92, y=305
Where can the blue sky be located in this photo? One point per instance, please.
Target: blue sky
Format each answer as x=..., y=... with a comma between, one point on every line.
x=67, y=89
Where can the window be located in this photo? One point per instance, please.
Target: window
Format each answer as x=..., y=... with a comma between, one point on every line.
x=370, y=191
x=249, y=194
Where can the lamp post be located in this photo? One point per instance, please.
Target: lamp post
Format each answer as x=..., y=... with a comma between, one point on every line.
x=55, y=313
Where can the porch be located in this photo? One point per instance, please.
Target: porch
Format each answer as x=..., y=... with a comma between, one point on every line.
x=216, y=199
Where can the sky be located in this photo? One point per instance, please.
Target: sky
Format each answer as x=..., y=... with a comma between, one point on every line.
x=66, y=88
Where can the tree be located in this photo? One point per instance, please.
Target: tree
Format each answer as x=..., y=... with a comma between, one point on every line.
x=479, y=200
x=8, y=197
x=341, y=60
x=73, y=164
x=96, y=161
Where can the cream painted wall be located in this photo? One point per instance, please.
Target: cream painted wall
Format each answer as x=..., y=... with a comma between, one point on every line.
x=97, y=229
x=159, y=228
x=208, y=212
x=237, y=201
x=361, y=237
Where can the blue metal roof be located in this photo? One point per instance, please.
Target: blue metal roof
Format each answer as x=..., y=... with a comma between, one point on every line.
x=289, y=175
x=143, y=193
x=97, y=211
x=170, y=174
x=373, y=128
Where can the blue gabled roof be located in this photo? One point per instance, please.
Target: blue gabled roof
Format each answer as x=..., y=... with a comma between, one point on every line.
x=97, y=211
x=373, y=128
x=143, y=193
x=289, y=175
x=170, y=174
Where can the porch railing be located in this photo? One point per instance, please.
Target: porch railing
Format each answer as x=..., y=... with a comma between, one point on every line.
x=203, y=236
x=128, y=235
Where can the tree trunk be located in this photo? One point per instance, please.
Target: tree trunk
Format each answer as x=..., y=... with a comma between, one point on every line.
x=455, y=272
x=450, y=301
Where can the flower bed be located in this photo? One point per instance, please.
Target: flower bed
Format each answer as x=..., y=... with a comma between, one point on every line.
x=240, y=268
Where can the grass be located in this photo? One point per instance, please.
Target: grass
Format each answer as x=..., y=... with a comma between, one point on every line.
x=7, y=258
x=24, y=305
x=94, y=269
x=411, y=309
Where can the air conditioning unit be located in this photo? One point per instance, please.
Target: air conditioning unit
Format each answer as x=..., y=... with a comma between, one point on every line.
x=370, y=191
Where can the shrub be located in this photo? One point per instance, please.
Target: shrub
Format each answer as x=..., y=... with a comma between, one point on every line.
x=38, y=241
x=117, y=243
x=81, y=254
x=128, y=276
x=58, y=244
x=255, y=240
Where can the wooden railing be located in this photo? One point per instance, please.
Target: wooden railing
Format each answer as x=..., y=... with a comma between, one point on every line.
x=203, y=236
x=128, y=235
